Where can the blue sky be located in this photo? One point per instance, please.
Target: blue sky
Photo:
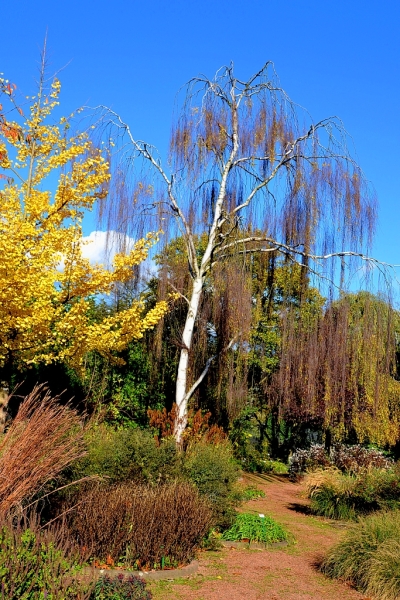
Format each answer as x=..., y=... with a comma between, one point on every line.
x=332, y=57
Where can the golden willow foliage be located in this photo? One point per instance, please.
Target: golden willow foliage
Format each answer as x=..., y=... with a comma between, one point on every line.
x=49, y=177
x=343, y=370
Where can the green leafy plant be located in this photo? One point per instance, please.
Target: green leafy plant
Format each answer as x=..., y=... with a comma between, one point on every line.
x=251, y=493
x=214, y=471
x=121, y=588
x=369, y=556
x=255, y=528
x=37, y=564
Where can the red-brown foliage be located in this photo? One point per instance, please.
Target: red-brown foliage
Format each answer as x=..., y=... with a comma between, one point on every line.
x=198, y=428
x=44, y=438
x=141, y=523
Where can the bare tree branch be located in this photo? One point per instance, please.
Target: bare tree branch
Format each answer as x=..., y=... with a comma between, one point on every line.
x=205, y=370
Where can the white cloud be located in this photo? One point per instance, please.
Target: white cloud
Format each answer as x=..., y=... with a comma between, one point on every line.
x=100, y=247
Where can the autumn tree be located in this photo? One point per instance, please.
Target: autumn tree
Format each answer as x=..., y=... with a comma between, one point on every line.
x=49, y=177
x=250, y=173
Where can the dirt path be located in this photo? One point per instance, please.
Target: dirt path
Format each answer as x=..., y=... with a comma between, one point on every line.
x=279, y=574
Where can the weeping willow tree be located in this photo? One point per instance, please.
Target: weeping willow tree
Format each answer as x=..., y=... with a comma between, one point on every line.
x=343, y=370
x=249, y=173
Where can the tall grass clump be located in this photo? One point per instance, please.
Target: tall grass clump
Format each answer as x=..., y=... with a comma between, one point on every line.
x=331, y=494
x=369, y=556
x=340, y=496
x=43, y=439
x=384, y=571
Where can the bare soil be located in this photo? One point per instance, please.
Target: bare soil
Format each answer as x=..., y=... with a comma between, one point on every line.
x=287, y=573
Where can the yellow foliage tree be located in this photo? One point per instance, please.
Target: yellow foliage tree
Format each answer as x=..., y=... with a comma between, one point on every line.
x=48, y=178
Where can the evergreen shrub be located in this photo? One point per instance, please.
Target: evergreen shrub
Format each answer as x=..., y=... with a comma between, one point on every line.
x=214, y=472
x=128, y=455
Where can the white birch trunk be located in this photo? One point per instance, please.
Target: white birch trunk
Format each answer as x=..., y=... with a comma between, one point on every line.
x=182, y=396
x=4, y=398
x=187, y=336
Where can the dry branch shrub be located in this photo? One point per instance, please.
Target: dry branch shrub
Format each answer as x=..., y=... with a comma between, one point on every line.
x=141, y=523
x=349, y=459
x=308, y=459
x=356, y=459
x=43, y=439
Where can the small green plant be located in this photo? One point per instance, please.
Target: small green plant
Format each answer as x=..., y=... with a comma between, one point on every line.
x=276, y=467
x=212, y=541
x=34, y=564
x=121, y=588
x=251, y=493
x=255, y=528
x=369, y=556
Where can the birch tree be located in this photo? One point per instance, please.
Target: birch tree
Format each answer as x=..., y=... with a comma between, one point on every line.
x=249, y=171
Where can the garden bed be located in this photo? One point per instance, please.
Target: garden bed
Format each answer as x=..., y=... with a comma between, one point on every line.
x=154, y=575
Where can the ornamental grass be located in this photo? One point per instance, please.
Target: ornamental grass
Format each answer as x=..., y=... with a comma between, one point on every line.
x=368, y=557
x=43, y=439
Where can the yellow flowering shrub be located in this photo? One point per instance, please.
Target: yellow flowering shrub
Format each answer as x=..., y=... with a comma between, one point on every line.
x=48, y=178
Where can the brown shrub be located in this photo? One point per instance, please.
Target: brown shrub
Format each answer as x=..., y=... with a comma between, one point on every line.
x=43, y=439
x=141, y=523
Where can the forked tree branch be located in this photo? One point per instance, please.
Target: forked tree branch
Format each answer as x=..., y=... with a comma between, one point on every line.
x=196, y=384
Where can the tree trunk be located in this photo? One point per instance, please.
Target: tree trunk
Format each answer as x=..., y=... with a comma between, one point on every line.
x=4, y=397
x=187, y=336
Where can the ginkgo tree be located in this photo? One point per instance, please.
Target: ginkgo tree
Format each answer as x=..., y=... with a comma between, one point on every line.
x=49, y=177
